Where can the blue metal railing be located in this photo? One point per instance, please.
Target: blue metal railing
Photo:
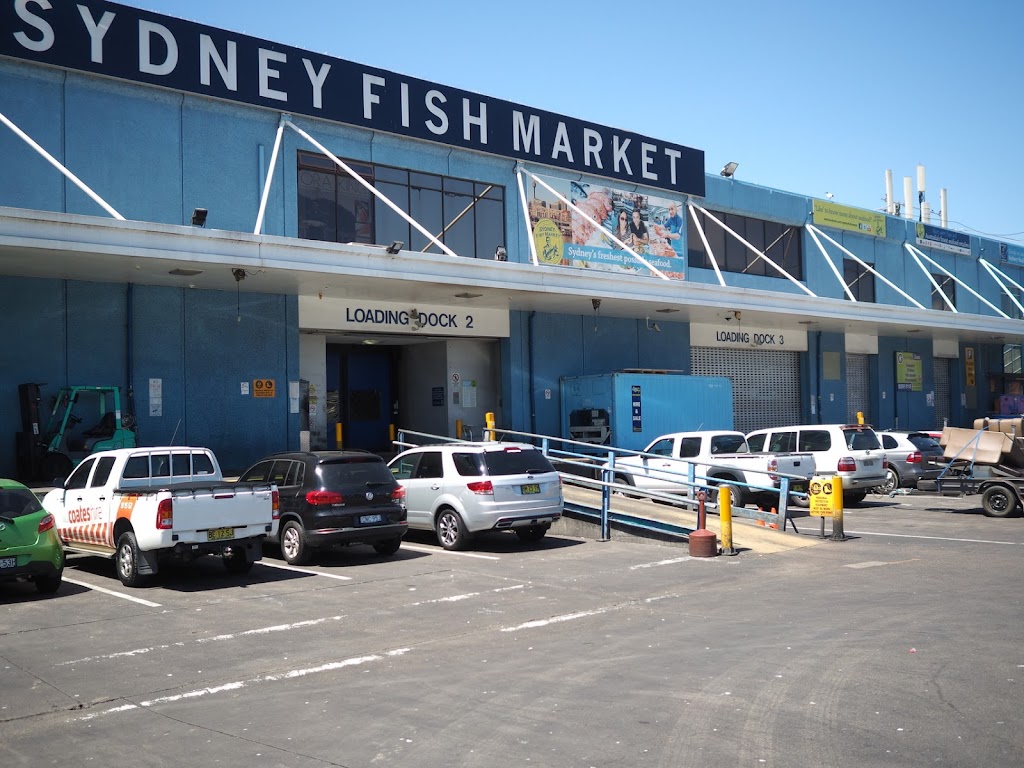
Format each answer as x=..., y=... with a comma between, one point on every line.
x=582, y=456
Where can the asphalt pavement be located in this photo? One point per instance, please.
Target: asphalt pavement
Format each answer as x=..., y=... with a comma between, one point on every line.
x=899, y=647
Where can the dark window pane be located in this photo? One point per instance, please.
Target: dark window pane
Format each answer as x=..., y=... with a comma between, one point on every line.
x=355, y=212
x=390, y=226
x=516, y=462
x=695, y=253
x=424, y=180
x=490, y=227
x=425, y=207
x=716, y=239
x=458, y=186
x=459, y=218
x=317, y=213
x=735, y=252
x=394, y=175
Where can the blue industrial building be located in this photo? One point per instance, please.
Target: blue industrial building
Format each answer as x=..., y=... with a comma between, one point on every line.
x=266, y=247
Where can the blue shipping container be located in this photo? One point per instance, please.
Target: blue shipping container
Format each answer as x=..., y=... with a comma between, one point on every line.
x=628, y=409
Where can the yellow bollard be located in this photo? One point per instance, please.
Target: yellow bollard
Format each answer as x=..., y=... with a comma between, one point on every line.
x=337, y=435
x=489, y=422
x=837, y=515
x=860, y=417
x=458, y=429
x=725, y=518
x=391, y=432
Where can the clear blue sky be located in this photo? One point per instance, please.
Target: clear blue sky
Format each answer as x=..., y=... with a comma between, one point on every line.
x=807, y=96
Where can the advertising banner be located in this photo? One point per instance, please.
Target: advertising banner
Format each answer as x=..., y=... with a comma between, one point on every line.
x=828, y=214
x=908, y=372
x=1011, y=254
x=943, y=239
x=653, y=227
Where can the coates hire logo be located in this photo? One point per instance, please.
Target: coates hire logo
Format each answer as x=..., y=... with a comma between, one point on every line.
x=132, y=44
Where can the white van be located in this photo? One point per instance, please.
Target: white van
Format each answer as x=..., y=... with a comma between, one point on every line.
x=851, y=451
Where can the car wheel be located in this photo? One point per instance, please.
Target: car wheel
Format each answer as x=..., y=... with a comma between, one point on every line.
x=998, y=501
x=293, y=544
x=389, y=546
x=451, y=531
x=237, y=564
x=128, y=560
x=892, y=482
x=49, y=584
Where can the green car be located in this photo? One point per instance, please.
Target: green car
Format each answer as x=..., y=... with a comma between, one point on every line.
x=30, y=549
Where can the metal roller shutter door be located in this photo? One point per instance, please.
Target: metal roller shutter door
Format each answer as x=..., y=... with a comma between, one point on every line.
x=943, y=401
x=858, y=397
x=765, y=384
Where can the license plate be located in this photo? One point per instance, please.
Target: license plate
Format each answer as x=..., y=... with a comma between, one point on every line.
x=371, y=519
x=531, y=488
x=8, y=562
x=220, y=534
x=869, y=462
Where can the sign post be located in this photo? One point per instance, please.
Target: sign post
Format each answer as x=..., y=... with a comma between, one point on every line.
x=826, y=494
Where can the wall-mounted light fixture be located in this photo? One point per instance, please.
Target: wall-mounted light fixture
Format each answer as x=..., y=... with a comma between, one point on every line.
x=199, y=217
x=500, y=254
x=395, y=247
x=653, y=326
x=729, y=170
x=181, y=272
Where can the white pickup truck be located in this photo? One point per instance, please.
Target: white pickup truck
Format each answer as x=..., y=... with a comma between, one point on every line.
x=145, y=506
x=718, y=457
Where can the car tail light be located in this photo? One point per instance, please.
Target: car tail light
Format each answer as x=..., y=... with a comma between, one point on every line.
x=398, y=495
x=773, y=466
x=46, y=524
x=323, y=498
x=276, y=503
x=483, y=487
x=847, y=464
x=914, y=458
x=165, y=515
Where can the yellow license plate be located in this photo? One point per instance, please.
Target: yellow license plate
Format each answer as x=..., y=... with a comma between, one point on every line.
x=220, y=534
x=531, y=488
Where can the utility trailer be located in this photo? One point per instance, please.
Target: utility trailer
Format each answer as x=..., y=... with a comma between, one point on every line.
x=987, y=460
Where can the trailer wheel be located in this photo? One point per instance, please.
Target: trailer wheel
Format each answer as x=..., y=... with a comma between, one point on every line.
x=999, y=501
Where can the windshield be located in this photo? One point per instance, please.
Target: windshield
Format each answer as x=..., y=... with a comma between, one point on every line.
x=515, y=462
x=861, y=439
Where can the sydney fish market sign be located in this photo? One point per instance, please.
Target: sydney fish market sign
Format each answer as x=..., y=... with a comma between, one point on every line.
x=133, y=44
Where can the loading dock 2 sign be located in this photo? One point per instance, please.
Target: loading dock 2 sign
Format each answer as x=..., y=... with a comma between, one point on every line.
x=263, y=388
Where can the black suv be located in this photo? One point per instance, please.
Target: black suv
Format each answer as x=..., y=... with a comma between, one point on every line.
x=333, y=498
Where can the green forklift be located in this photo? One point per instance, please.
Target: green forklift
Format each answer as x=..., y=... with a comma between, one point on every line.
x=83, y=420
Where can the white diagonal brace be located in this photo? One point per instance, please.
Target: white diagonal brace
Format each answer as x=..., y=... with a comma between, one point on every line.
x=779, y=269
x=375, y=192
x=526, y=215
x=995, y=272
x=270, y=175
x=870, y=268
x=707, y=245
x=828, y=260
x=57, y=164
x=966, y=287
x=604, y=231
x=933, y=281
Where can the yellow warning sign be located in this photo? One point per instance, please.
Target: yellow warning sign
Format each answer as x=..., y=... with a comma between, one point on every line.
x=826, y=495
x=263, y=388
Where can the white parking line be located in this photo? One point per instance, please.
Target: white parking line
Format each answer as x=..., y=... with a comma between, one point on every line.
x=555, y=620
x=284, y=567
x=106, y=591
x=234, y=686
x=936, y=538
x=442, y=551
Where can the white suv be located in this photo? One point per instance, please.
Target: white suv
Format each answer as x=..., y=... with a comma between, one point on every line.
x=460, y=489
x=851, y=451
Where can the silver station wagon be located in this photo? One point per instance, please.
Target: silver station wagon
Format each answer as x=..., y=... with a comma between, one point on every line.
x=461, y=489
